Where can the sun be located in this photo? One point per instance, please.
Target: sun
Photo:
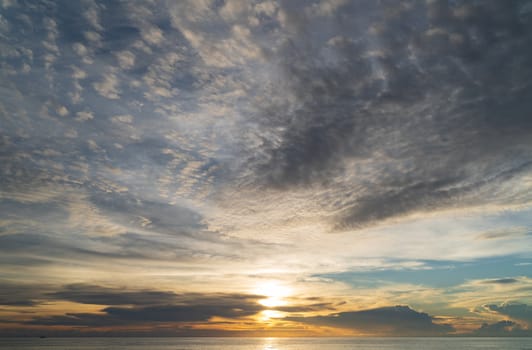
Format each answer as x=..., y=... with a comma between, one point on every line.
x=268, y=315
x=274, y=292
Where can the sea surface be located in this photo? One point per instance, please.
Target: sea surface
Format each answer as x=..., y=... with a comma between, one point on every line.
x=266, y=343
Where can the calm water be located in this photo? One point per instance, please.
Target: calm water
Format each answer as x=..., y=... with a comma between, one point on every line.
x=266, y=343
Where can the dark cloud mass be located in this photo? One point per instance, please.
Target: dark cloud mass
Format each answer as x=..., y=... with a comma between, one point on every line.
x=502, y=281
x=513, y=310
x=395, y=320
x=156, y=216
x=502, y=329
x=92, y=294
x=193, y=307
x=17, y=294
x=436, y=92
x=126, y=306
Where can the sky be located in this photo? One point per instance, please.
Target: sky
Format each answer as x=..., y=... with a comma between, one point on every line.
x=266, y=168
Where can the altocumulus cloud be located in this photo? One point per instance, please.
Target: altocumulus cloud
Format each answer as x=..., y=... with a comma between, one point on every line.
x=409, y=92
x=390, y=108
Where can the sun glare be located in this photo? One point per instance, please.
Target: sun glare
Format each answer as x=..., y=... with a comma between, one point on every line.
x=274, y=293
x=266, y=315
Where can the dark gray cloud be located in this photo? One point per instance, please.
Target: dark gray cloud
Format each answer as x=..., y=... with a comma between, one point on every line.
x=41, y=248
x=94, y=294
x=137, y=300
x=502, y=329
x=395, y=320
x=17, y=294
x=306, y=308
x=24, y=294
x=502, y=281
x=14, y=210
x=128, y=306
x=435, y=93
x=193, y=307
x=159, y=217
x=514, y=310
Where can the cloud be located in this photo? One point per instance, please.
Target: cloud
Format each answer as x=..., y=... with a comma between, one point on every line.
x=351, y=111
x=517, y=311
x=126, y=59
x=108, y=86
x=504, y=234
x=502, y=281
x=188, y=142
x=84, y=116
x=367, y=105
x=144, y=214
x=502, y=329
x=94, y=294
x=38, y=250
x=395, y=320
x=17, y=294
x=152, y=35
x=192, y=307
x=305, y=308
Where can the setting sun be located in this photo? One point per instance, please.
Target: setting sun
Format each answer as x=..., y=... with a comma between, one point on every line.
x=266, y=315
x=275, y=293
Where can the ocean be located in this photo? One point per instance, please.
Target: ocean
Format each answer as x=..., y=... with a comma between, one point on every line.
x=266, y=343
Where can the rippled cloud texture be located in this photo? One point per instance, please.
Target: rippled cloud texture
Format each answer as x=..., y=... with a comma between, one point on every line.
x=266, y=167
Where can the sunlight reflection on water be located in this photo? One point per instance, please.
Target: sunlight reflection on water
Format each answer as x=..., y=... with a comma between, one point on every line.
x=269, y=347
x=266, y=343
x=269, y=344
